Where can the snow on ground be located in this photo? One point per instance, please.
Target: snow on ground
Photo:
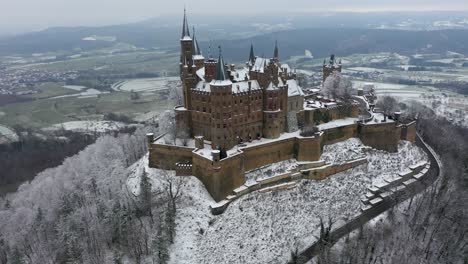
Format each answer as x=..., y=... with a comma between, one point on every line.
x=146, y=84
x=85, y=94
x=193, y=212
x=271, y=170
x=8, y=133
x=337, y=123
x=265, y=227
x=75, y=87
x=381, y=164
x=89, y=126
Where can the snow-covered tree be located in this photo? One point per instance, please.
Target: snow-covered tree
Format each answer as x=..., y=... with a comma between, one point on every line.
x=338, y=87
x=168, y=126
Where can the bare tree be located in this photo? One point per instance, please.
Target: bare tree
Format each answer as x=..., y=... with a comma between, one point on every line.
x=388, y=105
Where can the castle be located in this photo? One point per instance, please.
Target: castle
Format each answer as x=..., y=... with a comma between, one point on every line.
x=238, y=119
x=228, y=106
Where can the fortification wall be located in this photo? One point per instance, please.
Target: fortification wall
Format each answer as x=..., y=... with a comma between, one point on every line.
x=325, y=115
x=337, y=134
x=220, y=178
x=408, y=132
x=309, y=149
x=382, y=136
x=261, y=155
x=166, y=156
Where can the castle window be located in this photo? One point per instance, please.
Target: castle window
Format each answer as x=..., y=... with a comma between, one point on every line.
x=217, y=125
x=204, y=109
x=224, y=125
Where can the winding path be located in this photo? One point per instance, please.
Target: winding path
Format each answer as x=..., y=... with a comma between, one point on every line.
x=433, y=174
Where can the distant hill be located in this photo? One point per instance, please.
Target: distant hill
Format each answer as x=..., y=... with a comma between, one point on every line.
x=69, y=39
x=236, y=39
x=346, y=41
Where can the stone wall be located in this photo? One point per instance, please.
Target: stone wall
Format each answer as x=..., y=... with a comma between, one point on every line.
x=309, y=149
x=408, y=132
x=382, y=136
x=220, y=178
x=261, y=155
x=325, y=115
x=166, y=156
x=337, y=134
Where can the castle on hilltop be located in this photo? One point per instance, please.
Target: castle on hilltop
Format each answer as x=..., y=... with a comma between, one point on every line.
x=228, y=106
x=236, y=120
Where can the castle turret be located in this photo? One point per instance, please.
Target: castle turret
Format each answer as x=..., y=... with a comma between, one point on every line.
x=221, y=98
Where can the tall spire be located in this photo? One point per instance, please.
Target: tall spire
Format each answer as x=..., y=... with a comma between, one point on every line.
x=251, y=55
x=185, y=28
x=220, y=71
x=275, y=56
x=209, y=50
x=196, y=48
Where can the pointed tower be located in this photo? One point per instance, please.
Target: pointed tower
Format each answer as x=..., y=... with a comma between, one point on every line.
x=186, y=44
x=275, y=53
x=198, y=59
x=187, y=70
x=251, y=61
x=220, y=70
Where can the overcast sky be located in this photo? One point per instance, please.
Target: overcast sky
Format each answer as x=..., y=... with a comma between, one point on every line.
x=26, y=15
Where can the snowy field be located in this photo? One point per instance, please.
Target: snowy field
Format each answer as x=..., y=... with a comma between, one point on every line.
x=8, y=133
x=146, y=84
x=75, y=87
x=85, y=94
x=396, y=90
x=88, y=126
x=263, y=227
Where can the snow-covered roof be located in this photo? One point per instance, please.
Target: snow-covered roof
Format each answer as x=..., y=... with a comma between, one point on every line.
x=203, y=86
x=201, y=73
x=260, y=63
x=220, y=82
x=186, y=38
x=240, y=74
x=237, y=87
x=293, y=88
x=198, y=57
x=286, y=66
x=272, y=87
x=280, y=82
